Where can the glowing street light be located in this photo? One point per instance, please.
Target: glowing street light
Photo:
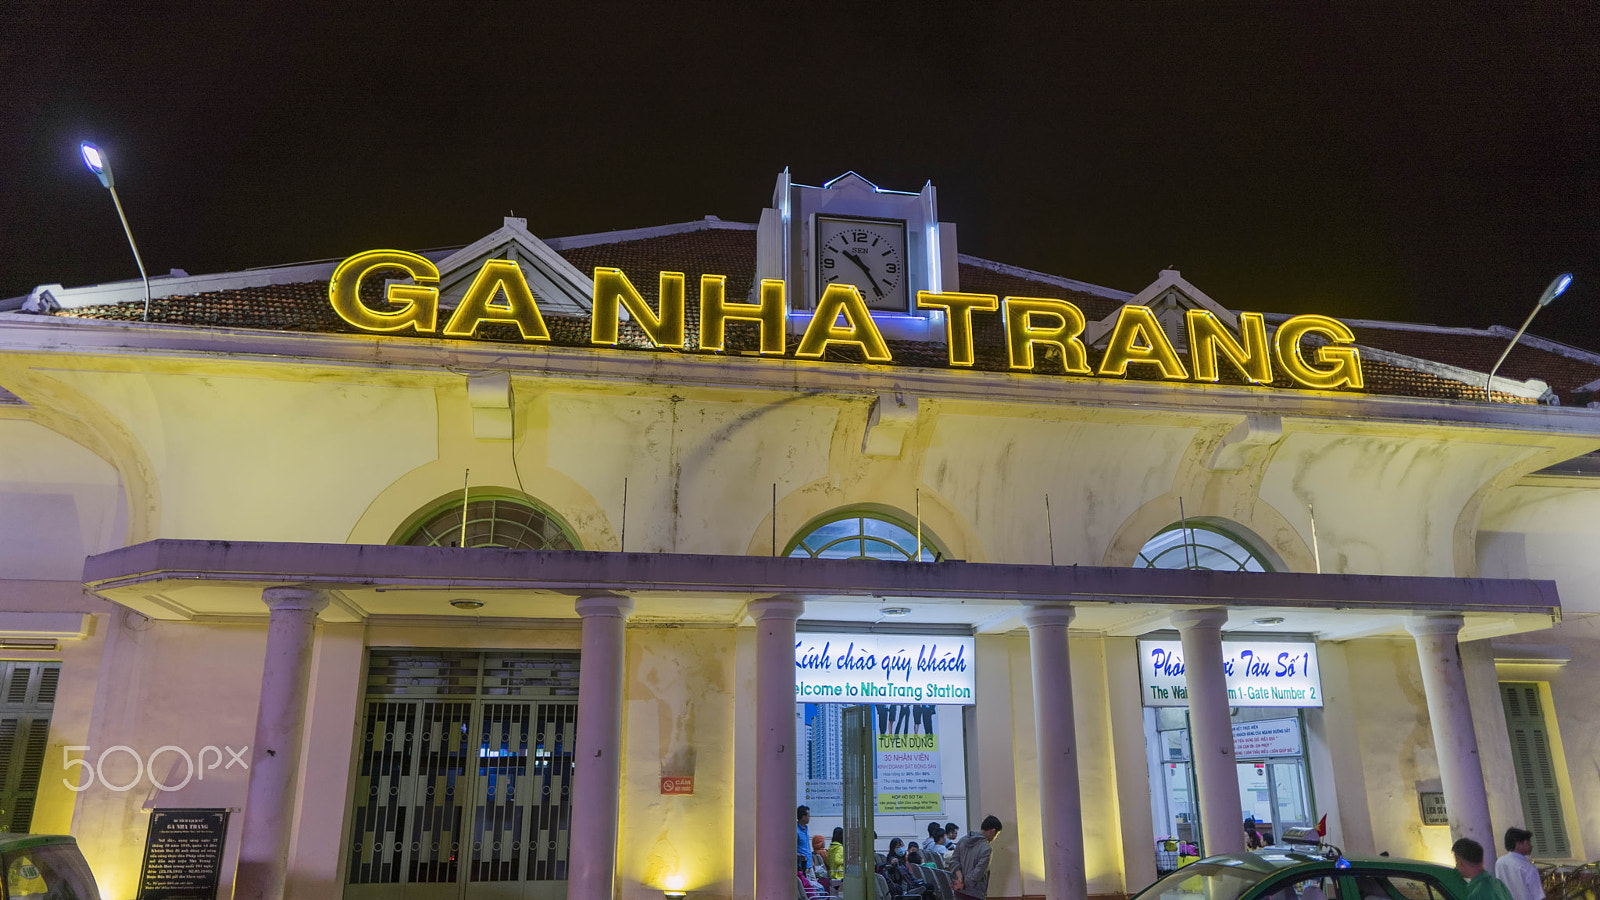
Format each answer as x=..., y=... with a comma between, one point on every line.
x=1556, y=289
x=100, y=165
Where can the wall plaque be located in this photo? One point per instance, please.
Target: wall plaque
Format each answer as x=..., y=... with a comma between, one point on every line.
x=1433, y=811
x=183, y=854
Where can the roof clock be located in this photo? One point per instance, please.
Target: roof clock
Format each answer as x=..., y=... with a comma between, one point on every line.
x=887, y=244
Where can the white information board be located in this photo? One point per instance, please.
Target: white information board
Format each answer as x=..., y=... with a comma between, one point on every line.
x=884, y=668
x=1259, y=673
x=1266, y=737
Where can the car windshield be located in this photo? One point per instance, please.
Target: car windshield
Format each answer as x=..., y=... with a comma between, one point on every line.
x=1204, y=881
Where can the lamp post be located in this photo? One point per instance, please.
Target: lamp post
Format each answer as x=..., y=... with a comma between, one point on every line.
x=100, y=165
x=1556, y=288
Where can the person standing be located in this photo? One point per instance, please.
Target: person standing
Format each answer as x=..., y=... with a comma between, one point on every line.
x=1515, y=870
x=803, y=830
x=969, y=876
x=1481, y=883
x=933, y=846
x=836, y=856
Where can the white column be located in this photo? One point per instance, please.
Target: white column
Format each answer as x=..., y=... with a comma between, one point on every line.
x=1060, y=802
x=775, y=745
x=597, y=755
x=275, y=755
x=1211, y=730
x=1450, y=713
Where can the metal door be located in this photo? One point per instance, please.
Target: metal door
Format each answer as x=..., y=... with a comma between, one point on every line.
x=466, y=795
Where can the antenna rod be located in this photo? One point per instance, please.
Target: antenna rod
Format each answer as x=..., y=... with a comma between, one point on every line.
x=1316, y=552
x=774, y=518
x=624, y=515
x=918, y=557
x=1049, y=529
x=1182, y=517
x=466, y=489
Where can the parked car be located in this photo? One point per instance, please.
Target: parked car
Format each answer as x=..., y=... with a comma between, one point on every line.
x=1286, y=874
x=44, y=867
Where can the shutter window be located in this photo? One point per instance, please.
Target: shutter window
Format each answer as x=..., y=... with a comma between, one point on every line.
x=1535, y=768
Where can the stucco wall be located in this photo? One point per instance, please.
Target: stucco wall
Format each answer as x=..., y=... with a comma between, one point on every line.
x=679, y=720
x=58, y=504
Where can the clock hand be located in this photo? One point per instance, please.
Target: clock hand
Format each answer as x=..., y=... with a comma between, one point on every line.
x=865, y=271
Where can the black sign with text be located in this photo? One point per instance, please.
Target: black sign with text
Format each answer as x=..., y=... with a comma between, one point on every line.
x=183, y=854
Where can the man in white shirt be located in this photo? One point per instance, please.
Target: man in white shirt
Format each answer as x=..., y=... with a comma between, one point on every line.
x=1516, y=870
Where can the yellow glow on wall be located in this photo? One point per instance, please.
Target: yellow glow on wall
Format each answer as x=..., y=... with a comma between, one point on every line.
x=859, y=329
x=1138, y=339
x=1340, y=362
x=958, y=319
x=481, y=303
x=772, y=311
x=613, y=290
x=1207, y=335
x=419, y=303
x=1022, y=333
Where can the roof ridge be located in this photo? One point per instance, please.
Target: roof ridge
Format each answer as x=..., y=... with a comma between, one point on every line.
x=1556, y=347
x=1072, y=284
x=709, y=223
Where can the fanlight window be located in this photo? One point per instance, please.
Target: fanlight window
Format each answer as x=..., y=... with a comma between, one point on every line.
x=859, y=535
x=1197, y=547
x=494, y=522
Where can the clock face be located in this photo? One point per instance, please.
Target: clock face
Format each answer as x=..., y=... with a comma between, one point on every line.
x=868, y=253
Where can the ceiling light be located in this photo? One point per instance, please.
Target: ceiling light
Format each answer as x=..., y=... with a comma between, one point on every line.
x=895, y=611
x=1269, y=621
x=465, y=603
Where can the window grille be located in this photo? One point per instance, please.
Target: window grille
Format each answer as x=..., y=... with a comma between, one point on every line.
x=1197, y=547
x=859, y=535
x=493, y=522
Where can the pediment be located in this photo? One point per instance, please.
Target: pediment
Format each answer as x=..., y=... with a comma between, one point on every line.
x=1171, y=297
x=558, y=285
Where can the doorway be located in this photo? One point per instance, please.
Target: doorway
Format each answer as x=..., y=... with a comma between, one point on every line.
x=463, y=777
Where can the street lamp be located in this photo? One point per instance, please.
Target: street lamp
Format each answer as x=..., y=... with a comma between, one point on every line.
x=1556, y=289
x=100, y=165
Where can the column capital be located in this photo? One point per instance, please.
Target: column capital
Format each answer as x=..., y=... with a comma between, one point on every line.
x=1213, y=617
x=295, y=596
x=1442, y=623
x=778, y=606
x=1036, y=614
x=614, y=605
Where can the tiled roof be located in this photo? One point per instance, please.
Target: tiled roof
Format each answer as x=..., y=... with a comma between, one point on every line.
x=304, y=306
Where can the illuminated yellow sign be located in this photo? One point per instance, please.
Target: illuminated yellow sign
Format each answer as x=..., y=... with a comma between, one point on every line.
x=499, y=294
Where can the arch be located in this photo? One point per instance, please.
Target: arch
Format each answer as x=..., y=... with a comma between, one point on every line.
x=1205, y=543
x=495, y=517
x=864, y=532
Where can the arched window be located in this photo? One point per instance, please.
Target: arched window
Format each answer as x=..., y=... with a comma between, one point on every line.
x=858, y=534
x=493, y=520
x=1198, y=546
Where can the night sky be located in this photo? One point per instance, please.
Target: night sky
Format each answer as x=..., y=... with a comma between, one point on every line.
x=1423, y=163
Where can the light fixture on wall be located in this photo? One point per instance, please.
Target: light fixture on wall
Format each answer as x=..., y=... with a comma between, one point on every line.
x=1269, y=621
x=466, y=603
x=675, y=895
x=895, y=612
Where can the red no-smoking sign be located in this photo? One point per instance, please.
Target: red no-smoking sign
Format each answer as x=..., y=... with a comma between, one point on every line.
x=677, y=784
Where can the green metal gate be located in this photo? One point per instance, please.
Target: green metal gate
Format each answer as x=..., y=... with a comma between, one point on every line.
x=464, y=777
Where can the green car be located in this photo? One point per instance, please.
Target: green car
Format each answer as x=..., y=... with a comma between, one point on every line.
x=1288, y=874
x=44, y=867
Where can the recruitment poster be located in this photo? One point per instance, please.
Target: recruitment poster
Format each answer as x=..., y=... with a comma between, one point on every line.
x=907, y=738
x=906, y=774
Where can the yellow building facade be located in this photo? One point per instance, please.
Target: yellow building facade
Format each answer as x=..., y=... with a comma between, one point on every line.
x=157, y=477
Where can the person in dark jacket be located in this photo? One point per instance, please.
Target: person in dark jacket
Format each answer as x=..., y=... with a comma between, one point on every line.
x=969, y=868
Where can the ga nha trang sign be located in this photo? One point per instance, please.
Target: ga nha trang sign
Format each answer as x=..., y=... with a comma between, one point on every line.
x=499, y=294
